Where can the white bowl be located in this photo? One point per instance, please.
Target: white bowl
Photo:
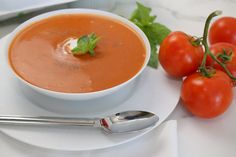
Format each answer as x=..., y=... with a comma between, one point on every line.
x=90, y=95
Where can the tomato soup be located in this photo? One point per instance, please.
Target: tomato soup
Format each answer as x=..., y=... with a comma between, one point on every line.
x=37, y=54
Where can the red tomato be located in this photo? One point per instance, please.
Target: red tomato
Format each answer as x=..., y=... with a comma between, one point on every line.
x=223, y=30
x=207, y=97
x=178, y=56
x=218, y=49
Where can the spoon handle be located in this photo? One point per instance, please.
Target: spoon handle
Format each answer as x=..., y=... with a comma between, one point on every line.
x=49, y=121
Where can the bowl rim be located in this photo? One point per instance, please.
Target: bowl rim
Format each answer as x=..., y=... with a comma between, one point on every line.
x=46, y=15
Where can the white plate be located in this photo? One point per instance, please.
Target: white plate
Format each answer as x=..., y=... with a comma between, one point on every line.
x=153, y=91
x=11, y=8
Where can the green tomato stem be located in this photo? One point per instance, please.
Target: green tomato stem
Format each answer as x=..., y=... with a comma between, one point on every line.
x=223, y=66
x=202, y=67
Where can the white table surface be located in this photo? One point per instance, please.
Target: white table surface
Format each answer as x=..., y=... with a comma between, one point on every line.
x=183, y=15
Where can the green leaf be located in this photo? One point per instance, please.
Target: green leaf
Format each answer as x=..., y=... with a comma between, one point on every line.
x=159, y=32
x=91, y=52
x=153, y=61
x=93, y=39
x=142, y=15
x=86, y=44
x=82, y=44
x=154, y=31
x=75, y=50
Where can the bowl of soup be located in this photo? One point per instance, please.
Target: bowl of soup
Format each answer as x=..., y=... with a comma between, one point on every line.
x=39, y=53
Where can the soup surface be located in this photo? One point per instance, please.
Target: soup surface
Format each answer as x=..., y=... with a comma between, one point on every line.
x=37, y=54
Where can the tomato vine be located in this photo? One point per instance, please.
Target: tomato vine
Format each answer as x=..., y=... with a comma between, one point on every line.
x=209, y=71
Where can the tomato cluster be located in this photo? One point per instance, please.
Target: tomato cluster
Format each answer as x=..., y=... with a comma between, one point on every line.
x=209, y=73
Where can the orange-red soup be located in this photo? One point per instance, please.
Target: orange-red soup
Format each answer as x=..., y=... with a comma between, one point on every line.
x=37, y=56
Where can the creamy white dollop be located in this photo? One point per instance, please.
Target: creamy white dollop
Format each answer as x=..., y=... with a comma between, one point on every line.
x=63, y=53
x=68, y=45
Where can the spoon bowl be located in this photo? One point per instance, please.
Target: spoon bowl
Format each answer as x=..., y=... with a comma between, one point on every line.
x=129, y=121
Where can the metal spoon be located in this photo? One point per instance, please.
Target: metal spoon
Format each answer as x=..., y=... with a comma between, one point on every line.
x=122, y=122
